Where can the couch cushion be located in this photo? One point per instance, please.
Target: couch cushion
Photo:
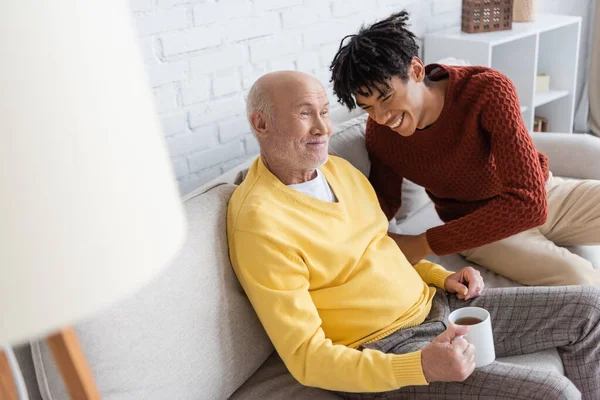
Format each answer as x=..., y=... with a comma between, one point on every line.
x=273, y=381
x=591, y=253
x=348, y=141
x=190, y=334
x=414, y=198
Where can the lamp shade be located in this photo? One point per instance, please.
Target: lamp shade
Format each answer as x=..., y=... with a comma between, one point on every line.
x=89, y=209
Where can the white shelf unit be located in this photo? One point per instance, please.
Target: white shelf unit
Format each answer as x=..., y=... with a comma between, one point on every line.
x=550, y=45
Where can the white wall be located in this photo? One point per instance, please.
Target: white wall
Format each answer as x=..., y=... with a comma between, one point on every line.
x=203, y=56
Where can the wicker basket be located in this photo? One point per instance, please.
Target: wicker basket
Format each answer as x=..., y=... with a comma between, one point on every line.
x=486, y=15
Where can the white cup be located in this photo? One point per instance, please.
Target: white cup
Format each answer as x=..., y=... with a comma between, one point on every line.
x=479, y=335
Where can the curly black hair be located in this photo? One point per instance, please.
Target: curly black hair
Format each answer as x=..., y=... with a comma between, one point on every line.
x=373, y=56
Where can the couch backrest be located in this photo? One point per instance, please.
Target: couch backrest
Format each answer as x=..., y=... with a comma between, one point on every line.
x=190, y=334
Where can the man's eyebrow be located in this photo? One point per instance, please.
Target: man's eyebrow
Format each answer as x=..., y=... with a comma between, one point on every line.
x=306, y=104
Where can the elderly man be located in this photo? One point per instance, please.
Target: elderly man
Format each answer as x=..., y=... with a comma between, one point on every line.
x=345, y=309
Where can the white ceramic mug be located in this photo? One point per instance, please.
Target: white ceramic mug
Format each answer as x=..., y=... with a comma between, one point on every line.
x=480, y=335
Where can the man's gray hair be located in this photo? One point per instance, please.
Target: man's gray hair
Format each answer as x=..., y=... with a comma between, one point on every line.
x=258, y=101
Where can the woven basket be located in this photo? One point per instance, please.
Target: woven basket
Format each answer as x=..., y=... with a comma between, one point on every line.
x=486, y=15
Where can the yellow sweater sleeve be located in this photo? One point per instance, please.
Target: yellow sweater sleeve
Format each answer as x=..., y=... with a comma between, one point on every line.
x=277, y=284
x=432, y=274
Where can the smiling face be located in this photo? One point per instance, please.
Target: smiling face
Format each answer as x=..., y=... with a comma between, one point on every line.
x=295, y=136
x=301, y=125
x=397, y=103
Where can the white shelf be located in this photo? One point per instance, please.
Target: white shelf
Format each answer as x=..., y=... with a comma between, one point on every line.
x=542, y=98
x=542, y=23
x=549, y=45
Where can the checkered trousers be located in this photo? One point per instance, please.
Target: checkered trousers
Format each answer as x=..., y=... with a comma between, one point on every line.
x=524, y=320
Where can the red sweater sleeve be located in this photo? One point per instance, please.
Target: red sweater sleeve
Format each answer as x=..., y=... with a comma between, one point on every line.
x=522, y=205
x=387, y=184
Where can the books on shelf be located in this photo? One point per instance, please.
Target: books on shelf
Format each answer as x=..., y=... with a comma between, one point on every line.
x=540, y=124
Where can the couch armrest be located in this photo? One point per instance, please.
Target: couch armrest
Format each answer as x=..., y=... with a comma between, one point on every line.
x=571, y=155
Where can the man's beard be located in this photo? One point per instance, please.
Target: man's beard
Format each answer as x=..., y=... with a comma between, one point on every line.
x=291, y=158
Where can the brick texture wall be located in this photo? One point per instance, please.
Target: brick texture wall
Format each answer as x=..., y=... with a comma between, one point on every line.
x=203, y=56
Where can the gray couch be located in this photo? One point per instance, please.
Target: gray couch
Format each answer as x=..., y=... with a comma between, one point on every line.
x=191, y=334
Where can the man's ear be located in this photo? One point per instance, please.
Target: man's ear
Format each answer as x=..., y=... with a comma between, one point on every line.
x=259, y=124
x=417, y=69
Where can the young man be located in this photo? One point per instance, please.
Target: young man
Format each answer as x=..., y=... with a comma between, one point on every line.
x=458, y=132
x=344, y=308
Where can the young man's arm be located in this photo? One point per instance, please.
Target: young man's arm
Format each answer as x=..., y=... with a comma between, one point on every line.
x=523, y=203
x=277, y=284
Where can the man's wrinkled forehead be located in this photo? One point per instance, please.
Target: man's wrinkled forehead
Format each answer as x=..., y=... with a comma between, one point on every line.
x=317, y=97
x=297, y=94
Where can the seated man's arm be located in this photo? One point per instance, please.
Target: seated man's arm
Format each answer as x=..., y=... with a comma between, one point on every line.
x=432, y=273
x=277, y=284
x=466, y=283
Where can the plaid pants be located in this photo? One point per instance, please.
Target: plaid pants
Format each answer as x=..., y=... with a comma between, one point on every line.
x=524, y=320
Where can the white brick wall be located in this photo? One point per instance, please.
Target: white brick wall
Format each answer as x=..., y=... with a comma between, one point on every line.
x=156, y=22
x=202, y=56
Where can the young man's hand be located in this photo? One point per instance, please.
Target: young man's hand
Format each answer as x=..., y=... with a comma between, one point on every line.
x=449, y=358
x=414, y=247
x=466, y=283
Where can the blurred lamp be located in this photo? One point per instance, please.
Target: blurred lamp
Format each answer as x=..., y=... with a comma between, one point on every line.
x=89, y=209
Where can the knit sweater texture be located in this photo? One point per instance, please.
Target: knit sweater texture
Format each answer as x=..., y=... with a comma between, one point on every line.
x=325, y=277
x=477, y=162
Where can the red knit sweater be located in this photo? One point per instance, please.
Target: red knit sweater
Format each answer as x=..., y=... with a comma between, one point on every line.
x=477, y=163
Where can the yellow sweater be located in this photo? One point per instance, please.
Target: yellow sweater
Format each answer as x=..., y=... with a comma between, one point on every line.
x=325, y=278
